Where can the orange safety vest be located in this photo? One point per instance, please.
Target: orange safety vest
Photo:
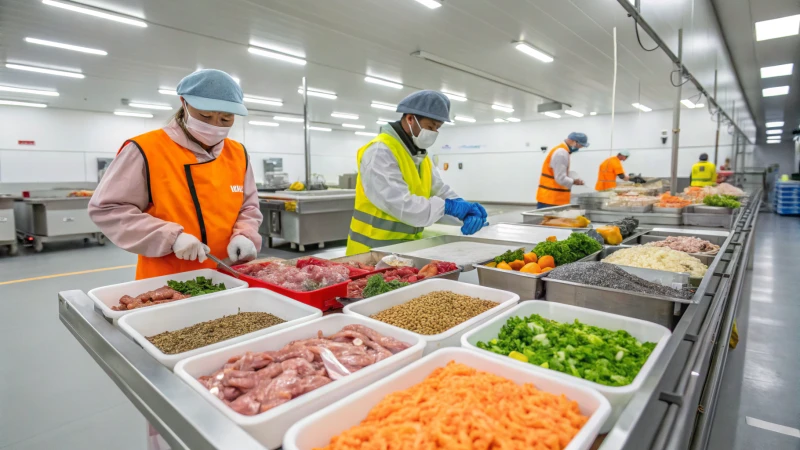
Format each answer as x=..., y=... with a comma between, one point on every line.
x=204, y=198
x=607, y=177
x=549, y=191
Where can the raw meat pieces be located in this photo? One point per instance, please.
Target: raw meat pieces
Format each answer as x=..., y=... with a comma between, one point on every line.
x=307, y=277
x=161, y=295
x=355, y=288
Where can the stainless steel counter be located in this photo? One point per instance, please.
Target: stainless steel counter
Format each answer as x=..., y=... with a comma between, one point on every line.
x=44, y=219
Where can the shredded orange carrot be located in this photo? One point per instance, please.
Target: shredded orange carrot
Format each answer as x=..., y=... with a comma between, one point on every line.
x=458, y=407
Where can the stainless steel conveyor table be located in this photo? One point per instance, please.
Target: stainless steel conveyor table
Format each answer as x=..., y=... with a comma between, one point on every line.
x=46, y=219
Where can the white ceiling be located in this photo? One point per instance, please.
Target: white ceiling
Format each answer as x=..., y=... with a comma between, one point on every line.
x=344, y=40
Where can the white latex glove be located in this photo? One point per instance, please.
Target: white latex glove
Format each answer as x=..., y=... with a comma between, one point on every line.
x=241, y=249
x=189, y=248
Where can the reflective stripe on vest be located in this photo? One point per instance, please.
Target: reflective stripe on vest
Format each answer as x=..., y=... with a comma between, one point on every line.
x=703, y=174
x=204, y=198
x=550, y=192
x=371, y=227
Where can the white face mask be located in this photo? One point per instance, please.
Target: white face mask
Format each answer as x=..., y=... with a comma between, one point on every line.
x=426, y=138
x=206, y=133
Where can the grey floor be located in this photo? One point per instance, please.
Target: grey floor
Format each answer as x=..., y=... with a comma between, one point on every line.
x=54, y=396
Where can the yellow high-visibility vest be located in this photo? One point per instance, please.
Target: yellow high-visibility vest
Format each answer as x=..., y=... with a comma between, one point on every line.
x=704, y=173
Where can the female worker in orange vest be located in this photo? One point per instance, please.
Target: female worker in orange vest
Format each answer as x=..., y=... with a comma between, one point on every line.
x=175, y=194
x=610, y=170
x=555, y=182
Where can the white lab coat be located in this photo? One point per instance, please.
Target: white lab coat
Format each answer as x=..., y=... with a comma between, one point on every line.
x=385, y=188
x=559, y=162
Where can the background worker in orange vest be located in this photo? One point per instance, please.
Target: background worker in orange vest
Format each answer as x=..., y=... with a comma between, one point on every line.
x=177, y=193
x=610, y=170
x=556, y=181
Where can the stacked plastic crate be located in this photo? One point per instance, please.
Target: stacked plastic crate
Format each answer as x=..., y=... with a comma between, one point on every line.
x=786, y=199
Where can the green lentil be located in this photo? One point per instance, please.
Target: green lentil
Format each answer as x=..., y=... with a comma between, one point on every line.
x=435, y=312
x=213, y=331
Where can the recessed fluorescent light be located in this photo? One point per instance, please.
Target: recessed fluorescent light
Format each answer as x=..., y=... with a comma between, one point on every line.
x=167, y=91
x=777, y=28
x=61, y=73
x=552, y=114
x=774, y=131
x=342, y=115
x=699, y=105
x=277, y=55
x=366, y=133
x=432, y=4
x=319, y=129
x=263, y=100
x=688, y=103
x=455, y=97
x=96, y=13
x=317, y=93
x=512, y=119
x=593, y=113
x=465, y=119
x=75, y=48
x=289, y=119
x=499, y=120
x=773, y=138
x=149, y=106
x=382, y=82
x=773, y=91
x=133, y=114
x=382, y=122
x=16, y=103
x=28, y=91
x=777, y=71
x=530, y=50
x=769, y=124
x=641, y=107
x=261, y=123
x=386, y=106
x=353, y=125
x=573, y=113
x=503, y=108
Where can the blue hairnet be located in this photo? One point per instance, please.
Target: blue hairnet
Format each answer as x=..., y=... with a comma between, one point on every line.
x=212, y=90
x=625, y=153
x=431, y=104
x=580, y=138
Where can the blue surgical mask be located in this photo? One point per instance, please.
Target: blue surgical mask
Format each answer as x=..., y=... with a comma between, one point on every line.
x=573, y=149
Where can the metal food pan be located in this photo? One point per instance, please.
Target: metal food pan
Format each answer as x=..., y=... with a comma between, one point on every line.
x=527, y=285
x=660, y=210
x=528, y=215
x=628, y=209
x=665, y=311
x=705, y=209
x=692, y=218
x=653, y=274
x=653, y=236
x=536, y=220
x=644, y=218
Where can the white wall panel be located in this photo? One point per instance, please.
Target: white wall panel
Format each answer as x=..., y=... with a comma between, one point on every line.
x=41, y=167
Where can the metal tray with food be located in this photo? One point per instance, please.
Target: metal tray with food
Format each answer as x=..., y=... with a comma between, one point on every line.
x=644, y=218
x=549, y=211
x=654, y=275
x=655, y=235
x=526, y=285
x=461, y=250
x=693, y=216
x=627, y=209
x=662, y=210
x=705, y=209
x=536, y=220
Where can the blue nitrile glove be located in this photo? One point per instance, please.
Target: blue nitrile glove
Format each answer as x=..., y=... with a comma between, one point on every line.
x=457, y=208
x=479, y=210
x=472, y=224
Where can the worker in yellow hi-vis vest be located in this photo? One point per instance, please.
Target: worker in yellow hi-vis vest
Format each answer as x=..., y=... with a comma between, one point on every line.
x=704, y=173
x=398, y=190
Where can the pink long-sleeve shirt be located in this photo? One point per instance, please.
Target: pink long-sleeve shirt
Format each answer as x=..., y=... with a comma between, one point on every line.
x=119, y=202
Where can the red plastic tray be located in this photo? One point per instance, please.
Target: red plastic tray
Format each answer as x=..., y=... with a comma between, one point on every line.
x=322, y=299
x=354, y=272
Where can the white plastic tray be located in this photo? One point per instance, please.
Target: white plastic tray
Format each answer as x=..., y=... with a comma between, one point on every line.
x=269, y=427
x=107, y=296
x=177, y=315
x=451, y=337
x=318, y=429
x=618, y=396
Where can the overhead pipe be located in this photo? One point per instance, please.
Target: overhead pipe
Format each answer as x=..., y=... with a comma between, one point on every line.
x=306, y=135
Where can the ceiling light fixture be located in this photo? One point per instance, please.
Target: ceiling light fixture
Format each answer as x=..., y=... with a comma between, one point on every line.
x=261, y=123
x=769, y=124
x=775, y=91
x=552, y=114
x=530, y=50
x=778, y=28
x=28, y=91
x=319, y=129
x=166, y=91
x=699, y=105
x=773, y=138
x=465, y=119
x=16, y=103
x=149, y=106
x=133, y=114
x=342, y=115
x=503, y=108
x=688, y=103
x=353, y=125
x=60, y=73
x=500, y=121
x=383, y=82
x=277, y=55
x=432, y=4
x=775, y=131
x=317, y=93
x=386, y=106
x=573, y=113
x=96, y=12
x=455, y=97
x=773, y=142
x=593, y=113
x=75, y=48
x=366, y=133
x=288, y=119
x=777, y=71
x=263, y=100
x=641, y=107
x=382, y=122
x=512, y=119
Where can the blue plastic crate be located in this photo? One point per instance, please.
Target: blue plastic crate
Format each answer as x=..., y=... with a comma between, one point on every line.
x=787, y=211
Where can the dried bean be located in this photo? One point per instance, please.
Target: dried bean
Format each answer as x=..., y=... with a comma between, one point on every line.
x=435, y=312
x=213, y=331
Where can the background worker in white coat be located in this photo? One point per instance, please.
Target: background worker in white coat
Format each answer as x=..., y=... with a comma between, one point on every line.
x=555, y=182
x=398, y=191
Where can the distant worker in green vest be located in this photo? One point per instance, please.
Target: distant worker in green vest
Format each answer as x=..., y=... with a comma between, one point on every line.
x=398, y=190
x=704, y=173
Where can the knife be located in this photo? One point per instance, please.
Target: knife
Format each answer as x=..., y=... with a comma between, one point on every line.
x=223, y=265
